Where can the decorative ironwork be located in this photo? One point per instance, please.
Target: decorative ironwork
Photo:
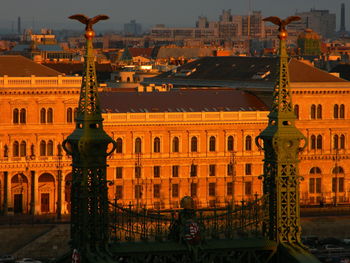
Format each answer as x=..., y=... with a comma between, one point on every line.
x=88, y=146
x=282, y=143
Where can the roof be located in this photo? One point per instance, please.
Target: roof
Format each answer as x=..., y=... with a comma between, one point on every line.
x=24, y=47
x=252, y=69
x=143, y=52
x=19, y=66
x=77, y=68
x=343, y=70
x=181, y=101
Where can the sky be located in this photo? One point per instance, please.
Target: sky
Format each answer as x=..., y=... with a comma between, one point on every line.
x=54, y=13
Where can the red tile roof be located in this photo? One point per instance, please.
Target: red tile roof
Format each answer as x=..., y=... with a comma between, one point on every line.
x=181, y=101
x=143, y=52
x=19, y=66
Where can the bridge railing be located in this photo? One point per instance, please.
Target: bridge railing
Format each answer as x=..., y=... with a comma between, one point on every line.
x=129, y=223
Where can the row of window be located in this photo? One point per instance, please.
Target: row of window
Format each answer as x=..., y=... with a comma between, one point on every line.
x=175, y=190
x=46, y=115
x=315, y=185
x=338, y=142
x=316, y=111
x=175, y=145
x=19, y=149
x=175, y=170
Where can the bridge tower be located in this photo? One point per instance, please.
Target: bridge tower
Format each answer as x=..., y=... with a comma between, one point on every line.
x=88, y=146
x=281, y=144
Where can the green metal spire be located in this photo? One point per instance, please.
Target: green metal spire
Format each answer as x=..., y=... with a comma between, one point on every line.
x=88, y=146
x=282, y=142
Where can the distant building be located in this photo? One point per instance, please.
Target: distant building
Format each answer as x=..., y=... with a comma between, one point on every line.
x=309, y=43
x=320, y=21
x=132, y=28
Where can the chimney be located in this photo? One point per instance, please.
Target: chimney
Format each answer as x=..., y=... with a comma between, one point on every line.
x=342, y=18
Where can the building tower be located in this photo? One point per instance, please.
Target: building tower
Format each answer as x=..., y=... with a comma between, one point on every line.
x=88, y=147
x=342, y=18
x=281, y=144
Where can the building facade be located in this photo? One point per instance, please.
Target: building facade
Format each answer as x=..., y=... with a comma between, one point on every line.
x=165, y=154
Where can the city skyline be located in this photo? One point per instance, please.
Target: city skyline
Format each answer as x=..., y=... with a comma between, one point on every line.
x=150, y=13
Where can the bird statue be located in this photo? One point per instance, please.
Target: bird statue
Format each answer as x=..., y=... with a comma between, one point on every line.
x=281, y=23
x=89, y=32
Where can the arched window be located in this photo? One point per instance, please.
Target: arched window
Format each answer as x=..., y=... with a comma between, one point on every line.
x=22, y=116
x=194, y=144
x=319, y=111
x=342, y=141
x=313, y=111
x=75, y=113
x=296, y=111
x=212, y=144
x=342, y=111
x=42, y=148
x=230, y=144
x=15, y=116
x=6, y=151
x=338, y=170
x=336, y=111
x=119, y=148
x=248, y=143
x=43, y=115
x=156, y=145
x=15, y=149
x=49, y=115
x=313, y=142
x=175, y=144
x=69, y=115
x=315, y=170
x=138, y=145
x=23, y=149
x=319, y=142
x=335, y=142
x=50, y=148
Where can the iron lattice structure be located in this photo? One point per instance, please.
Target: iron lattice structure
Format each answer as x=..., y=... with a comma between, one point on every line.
x=282, y=144
x=88, y=147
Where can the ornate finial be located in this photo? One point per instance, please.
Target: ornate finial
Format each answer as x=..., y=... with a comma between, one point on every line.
x=89, y=32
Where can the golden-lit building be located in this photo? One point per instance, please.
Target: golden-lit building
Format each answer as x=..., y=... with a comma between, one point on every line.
x=198, y=142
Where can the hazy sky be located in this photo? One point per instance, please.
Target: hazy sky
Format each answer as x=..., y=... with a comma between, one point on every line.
x=54, y=13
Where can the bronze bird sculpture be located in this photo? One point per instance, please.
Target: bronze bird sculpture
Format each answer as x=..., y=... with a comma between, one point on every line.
x=88, y=21
x=281, y=23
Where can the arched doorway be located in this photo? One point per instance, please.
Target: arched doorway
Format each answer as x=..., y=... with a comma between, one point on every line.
x=46, y=193
x=19, y=192
x=67, y=191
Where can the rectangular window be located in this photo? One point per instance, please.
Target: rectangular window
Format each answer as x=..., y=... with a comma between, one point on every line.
x=338, y=185
x=341, y=184
x=312, y=185
x=175, y=190
x=138, y=191
x=175, y=171
x=156, y=171
x=193, y=170
x=212, y=189
x=156, y=190
x=119, y=172
x=318, y=185
x=230, y=169
x=193, y=189
x=119, y=192
x=212, y=169
x=248, y=169
x=137, y=172
x=229, y=189
x=248, y=188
